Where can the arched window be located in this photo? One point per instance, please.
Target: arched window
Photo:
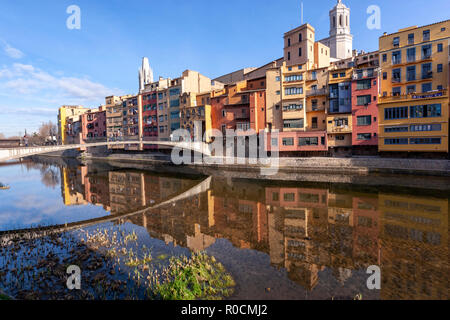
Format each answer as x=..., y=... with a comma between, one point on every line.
x=346, y=20
x=334, y=21
x=340, y=21
x=300, y=37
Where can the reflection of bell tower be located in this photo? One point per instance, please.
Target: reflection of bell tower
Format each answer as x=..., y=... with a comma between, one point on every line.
x=340, y=40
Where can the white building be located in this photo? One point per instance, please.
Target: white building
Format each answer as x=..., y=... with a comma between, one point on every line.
x=145, y=74
x=340, y=40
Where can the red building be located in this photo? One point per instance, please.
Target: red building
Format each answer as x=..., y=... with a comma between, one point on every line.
x=150, y=117
x=93, y=124
x=365, y=109
x=241, y=106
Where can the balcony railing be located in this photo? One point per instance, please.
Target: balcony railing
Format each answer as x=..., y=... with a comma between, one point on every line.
x=317, y=92
x=413, y=96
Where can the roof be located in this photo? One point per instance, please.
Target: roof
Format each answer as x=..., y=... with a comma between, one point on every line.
x=413, y=28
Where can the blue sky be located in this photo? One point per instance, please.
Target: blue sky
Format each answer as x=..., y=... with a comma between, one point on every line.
x=44, y=65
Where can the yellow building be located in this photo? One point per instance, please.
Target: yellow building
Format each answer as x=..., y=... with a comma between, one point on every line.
x=63, y=113
x=414, y=102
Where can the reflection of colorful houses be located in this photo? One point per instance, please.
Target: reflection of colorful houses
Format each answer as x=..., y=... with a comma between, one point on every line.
x=127, y=191
x=72, y=187
x=96, y=188
x=414, y=240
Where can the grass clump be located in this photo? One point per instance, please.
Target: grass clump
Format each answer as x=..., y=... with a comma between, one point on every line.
x=4, y=297
x=197, y=277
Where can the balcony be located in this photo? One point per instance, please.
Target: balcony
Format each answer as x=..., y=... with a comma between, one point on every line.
x=317, y=92
x=366, y=74
x=412, y=96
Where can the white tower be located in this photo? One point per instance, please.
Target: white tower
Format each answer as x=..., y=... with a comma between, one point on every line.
x=145, y=74
x=340, y=40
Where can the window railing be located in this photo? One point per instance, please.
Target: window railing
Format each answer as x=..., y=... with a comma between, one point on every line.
x=316, y=92
x=412, y=96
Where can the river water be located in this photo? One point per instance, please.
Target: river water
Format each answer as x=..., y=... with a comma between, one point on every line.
x=279, y=240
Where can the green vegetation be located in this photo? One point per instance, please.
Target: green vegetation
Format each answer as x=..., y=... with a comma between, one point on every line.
x=197, y=277
x=4, y=297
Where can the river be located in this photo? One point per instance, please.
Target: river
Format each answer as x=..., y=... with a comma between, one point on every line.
x=279, y=240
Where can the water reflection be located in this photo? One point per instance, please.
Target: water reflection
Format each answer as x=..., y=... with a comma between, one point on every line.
x=309, y=231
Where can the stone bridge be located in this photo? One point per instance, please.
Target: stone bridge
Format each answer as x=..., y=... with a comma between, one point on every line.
x=17, y=153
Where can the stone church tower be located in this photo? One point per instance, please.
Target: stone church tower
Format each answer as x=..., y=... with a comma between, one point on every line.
x=340, y=40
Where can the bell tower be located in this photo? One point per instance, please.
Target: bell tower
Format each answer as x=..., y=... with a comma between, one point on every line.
x=340, y=40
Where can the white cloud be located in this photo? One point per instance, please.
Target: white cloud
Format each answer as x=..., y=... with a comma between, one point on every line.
x=12, y=52
x=27, y=80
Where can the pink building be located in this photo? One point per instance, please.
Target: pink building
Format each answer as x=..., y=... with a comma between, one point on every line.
x=365, y=108
x=299, y=141
x=93, y=124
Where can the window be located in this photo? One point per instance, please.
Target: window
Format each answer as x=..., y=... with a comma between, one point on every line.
x=426, y=35
x=425, y=141
x=384, y=75
x=364, y=120
x=397, y=91
x=364, y=136
x=396, y=113
x=335, y=75
x=439, y=68
x=440, y=47
x=293, y=91
x=411, y=73
x=288, y=141
x=308, y=141
x=363, y=100
x=289, y=42
x=290, y=197
x=397, y=75
x=427, y=71
x=314, y=123
x=396, y=41
x=174, y=115
x=439, y=87
x=300, y=37
x=426, y=87
x=342, y=74
x=396, y=141
x=293, y=123
x=293, y=78
x=274, y=142
x=396, y=129
x=411, y=55
x=426, y=127
x=289, y=56
x=410, y=89
x=363, y=84
x=426, y=111
x=243, y=126
x=426, y=51
x=293, y=107
x=411, y=38
x=384, y=57
x=278, y=92
x=340, y=122
x=224, y=113
x=300, y=52
x=277, y=78
x=174, y=103
x=396, y=57
x=174, y=92
x=340, y=138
